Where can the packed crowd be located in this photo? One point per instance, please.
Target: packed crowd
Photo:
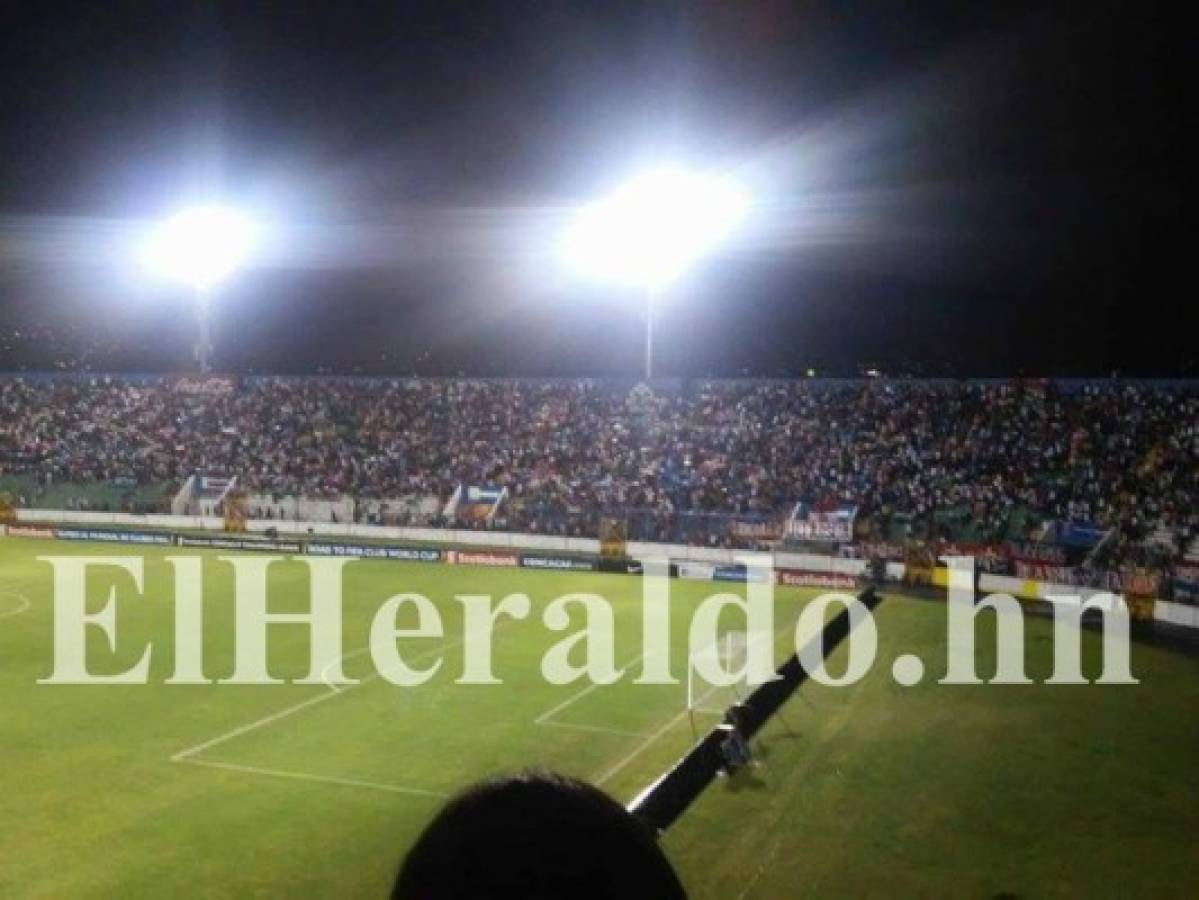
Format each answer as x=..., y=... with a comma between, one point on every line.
x=1115, y=454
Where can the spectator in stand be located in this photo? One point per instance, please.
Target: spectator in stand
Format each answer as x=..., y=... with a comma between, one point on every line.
x=1120, y=455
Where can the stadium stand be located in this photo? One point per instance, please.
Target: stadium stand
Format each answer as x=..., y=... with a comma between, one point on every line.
x=710, y=462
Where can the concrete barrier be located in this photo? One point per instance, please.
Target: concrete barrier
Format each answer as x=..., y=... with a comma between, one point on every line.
x=1179, y=614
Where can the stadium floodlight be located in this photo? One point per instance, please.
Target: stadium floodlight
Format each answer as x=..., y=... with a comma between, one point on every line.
x=200, y=247
x=649, y=231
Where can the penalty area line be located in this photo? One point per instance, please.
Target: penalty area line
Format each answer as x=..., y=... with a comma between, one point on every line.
x=341, y=659
x=187, y=754
x=544, y=718
x=601, y=729
x=645, y=744
x=666, y=726
x=314, y=777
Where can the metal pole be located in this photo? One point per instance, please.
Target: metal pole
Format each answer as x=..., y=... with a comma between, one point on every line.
x=204, y=340
x=649, y=334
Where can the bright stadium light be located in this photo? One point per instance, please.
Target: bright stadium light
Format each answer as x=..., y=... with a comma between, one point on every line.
x=200, y=247
x=651, y=230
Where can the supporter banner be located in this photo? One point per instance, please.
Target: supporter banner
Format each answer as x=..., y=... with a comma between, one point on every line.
x=474, y=558
x=1039, y=553
x=1187, y=573
x=119, y=537
x=557, y=563
x=739, y=573
x=369, y=551
x=1184, y=584
x=797, y=578
x=1183, y=589
x=822, y=525
x=755, y=530
x=234, y=543
x=1044, y=572
x=484, y=494
x=31, y=531
x=1076, y=534
x=980, y=552
x=992, y=558
x=1135, y=584
x=696, y=571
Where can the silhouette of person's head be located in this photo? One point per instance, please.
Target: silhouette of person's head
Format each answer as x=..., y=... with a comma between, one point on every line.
x=536, y=836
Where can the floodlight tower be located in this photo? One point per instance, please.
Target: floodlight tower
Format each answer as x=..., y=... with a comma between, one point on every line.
x=200, y=247
x=650, y=230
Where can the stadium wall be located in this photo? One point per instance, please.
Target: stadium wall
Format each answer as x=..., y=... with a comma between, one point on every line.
x=1033, y=590
x=467, y=537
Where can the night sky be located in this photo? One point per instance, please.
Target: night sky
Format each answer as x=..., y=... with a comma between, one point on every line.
x=941, y=187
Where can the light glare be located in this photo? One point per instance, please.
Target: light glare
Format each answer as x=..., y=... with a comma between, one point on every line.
x=200, y=246
x=654, y=227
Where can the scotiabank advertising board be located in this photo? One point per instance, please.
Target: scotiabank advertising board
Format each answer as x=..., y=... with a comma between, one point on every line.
x=799, y=578
x=476, y=558
x=31, y=531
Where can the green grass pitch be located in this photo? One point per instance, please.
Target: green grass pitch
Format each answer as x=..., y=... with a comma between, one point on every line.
x=299, y=790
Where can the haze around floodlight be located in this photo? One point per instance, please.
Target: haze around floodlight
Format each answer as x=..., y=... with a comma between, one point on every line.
x=200, y=246
x=654, y=227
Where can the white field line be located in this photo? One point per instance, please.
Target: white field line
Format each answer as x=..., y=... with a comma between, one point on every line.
x=183, y=755
x=670, y=723
x=186, y=754
x=761, y=870
x=22, y=583
x=649, y=739
x=23, y=604
x=335, y=688
x=544, y=718
x=308, y=776
x=601, y=729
